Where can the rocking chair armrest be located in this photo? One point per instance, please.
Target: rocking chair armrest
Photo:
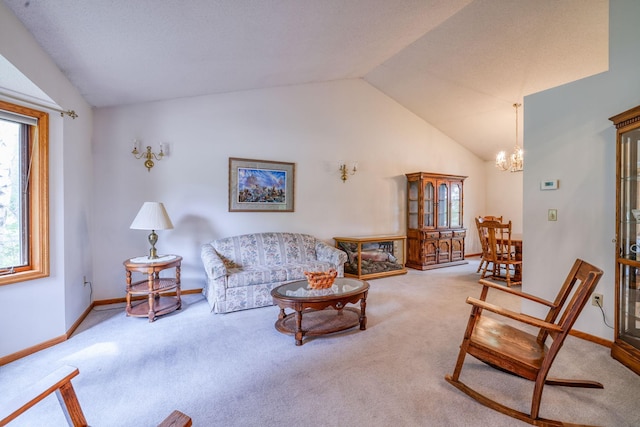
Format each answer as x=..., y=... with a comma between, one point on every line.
x=533, y=321
x=521, y=294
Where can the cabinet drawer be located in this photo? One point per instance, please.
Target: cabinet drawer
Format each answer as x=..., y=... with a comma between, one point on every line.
x=459, y=233
x=432, y=235
x=446, y=234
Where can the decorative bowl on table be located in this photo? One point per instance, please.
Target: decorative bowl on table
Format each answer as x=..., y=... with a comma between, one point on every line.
x=321, y=279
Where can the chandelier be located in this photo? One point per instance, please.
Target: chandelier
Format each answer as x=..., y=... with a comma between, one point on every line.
x=516, y=160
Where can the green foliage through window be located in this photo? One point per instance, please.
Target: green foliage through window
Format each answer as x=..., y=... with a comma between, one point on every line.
x=11, y=242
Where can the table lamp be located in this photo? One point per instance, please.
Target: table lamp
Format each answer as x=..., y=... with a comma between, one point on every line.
x=152, y=216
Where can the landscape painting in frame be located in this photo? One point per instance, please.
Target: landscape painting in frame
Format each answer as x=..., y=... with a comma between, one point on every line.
x=260, y=185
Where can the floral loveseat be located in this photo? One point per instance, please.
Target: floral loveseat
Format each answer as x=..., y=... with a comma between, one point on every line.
x=242, y=270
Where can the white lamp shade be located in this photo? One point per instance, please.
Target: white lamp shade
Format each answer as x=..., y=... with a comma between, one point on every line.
x=152, y=216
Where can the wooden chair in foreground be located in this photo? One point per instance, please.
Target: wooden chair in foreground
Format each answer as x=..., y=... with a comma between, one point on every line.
x=511, y=349
x=59, y=382
x=500, y=252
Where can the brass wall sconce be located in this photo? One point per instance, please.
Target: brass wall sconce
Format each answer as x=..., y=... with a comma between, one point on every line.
x=346, y=170
x=148, y=155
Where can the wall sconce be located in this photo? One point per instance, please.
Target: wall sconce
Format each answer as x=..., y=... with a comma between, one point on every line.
x=346, y=170
x=148, y=155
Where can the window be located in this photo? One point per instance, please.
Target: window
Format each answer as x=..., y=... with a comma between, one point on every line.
x=24, y=207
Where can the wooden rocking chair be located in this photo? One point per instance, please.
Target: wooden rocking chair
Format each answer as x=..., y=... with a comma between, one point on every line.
x=515, y=351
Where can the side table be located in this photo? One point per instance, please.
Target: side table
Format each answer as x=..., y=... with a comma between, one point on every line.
x=154, y=288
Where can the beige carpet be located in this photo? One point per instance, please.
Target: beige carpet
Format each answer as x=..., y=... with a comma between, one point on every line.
x=237, y=370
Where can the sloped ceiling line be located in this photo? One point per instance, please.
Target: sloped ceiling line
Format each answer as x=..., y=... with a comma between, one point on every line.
x=458, y=64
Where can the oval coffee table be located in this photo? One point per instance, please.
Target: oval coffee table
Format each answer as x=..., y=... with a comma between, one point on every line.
x=320, y=311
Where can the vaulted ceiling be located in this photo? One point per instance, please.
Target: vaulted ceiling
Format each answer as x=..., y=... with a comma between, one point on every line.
x=458, y=64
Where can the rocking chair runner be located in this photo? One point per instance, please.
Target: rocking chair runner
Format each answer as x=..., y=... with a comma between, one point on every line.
x=515, y=351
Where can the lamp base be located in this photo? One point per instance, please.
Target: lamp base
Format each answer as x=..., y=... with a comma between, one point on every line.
x=153, y=239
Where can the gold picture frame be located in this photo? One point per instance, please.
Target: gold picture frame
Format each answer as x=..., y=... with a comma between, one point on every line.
x=261, y=185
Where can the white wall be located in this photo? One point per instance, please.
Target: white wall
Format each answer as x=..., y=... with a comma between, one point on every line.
x=39, y=310
x=313, y=126
x=503, y=194
x=569, y=137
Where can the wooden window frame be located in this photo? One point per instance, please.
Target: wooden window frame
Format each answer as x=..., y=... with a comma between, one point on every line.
x=38, y=264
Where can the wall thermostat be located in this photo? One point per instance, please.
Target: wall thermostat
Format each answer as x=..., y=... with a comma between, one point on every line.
x=549, y=185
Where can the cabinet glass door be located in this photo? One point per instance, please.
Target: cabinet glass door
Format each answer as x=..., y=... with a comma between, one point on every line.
x=629, y=316
x=443, y=205
x=413, y=204
x=629, y=236
x=428, y=205
x=456, y=205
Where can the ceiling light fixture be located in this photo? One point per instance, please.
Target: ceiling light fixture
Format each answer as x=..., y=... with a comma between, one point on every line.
x=516, y=163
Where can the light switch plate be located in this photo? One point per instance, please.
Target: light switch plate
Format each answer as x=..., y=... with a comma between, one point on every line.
x=552, y=215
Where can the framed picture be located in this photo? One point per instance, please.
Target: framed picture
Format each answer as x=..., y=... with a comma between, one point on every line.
x=260, y=185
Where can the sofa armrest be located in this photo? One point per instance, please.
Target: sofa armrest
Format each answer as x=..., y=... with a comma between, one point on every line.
x=213, y=264
x=325, y=252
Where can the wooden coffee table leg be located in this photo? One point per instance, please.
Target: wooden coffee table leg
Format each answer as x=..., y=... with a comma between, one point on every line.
x=363, y=315
x=299, y=327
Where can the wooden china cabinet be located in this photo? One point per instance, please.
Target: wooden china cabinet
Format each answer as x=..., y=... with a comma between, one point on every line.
x=626, y=345
x=435, y=233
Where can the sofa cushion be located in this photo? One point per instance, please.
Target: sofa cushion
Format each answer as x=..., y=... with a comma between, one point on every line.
x=255, y=275
x=259, y=274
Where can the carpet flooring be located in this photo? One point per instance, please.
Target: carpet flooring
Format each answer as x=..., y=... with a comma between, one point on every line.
x=236, y=370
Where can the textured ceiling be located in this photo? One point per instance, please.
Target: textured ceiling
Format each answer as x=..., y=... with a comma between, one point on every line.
x=458, y=64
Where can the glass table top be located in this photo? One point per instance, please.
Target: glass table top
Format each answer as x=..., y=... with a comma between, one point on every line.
x=300, y=289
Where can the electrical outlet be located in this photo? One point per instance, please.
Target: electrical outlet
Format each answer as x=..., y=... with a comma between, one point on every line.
x=84, y=281
x=596, y=299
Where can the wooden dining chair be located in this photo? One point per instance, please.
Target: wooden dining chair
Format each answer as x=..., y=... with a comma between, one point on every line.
x=500, y=252
x=510, y=347
x=484, y=245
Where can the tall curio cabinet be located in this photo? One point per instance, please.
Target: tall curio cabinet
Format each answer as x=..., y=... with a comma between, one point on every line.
x=435, y=233
x=626, y=346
